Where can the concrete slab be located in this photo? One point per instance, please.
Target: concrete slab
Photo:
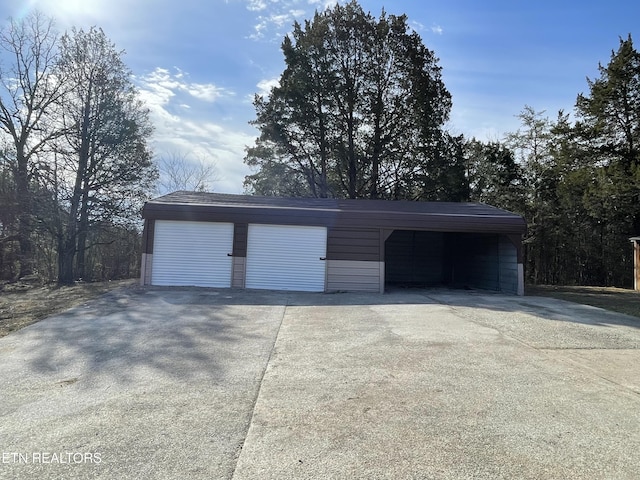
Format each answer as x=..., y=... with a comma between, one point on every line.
x=141, y=384
x=205, y=383
x=437, y=391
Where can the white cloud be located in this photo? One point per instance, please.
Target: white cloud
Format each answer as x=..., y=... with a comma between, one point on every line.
x=437, y=29
x=265, y=86
x=258, y=31
x=276, y=14
x=256, y=5
x=324, y=4
x=267, y=24
x=190, y=129
x=166, y=84
x=278, y=20
x=206, y=92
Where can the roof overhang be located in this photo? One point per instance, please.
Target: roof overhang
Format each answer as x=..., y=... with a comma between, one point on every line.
x=384, y=214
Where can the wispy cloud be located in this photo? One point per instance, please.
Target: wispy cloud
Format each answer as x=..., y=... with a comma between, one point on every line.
x=272, y=25
x=275, y=17
x=256, y=5
x=437, y=29
x=265, y=86
x=185, y=125
x=166, y=83
x=324, y=4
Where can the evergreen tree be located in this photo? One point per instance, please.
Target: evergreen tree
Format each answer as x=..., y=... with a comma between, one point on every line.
x=104, y=150
x=358, y=112
x=609, y=126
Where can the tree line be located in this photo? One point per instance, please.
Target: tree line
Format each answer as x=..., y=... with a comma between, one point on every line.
x=75, y=165
x=75, y=161
x=360, y=111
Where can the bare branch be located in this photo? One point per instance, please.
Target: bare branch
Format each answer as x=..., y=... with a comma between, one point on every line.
x=179, y=171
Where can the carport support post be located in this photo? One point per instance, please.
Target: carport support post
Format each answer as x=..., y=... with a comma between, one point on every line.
x=517, y=242
x=636, y=262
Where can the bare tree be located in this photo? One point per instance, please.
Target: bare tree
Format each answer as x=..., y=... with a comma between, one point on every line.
x=179, y=171
x=29, y=88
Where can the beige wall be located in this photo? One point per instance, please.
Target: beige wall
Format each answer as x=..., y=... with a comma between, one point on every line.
x=146, y=265
x=355, y=276
x=238, y=272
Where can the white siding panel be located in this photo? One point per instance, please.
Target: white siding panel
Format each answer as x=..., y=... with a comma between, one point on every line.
x=285, y=257
x=192, y=253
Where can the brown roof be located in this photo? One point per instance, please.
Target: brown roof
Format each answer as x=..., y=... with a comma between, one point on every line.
x=399, y=214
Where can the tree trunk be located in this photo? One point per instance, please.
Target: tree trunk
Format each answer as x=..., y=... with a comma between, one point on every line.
x=65, y=275
x=377, y=147
x=351, y=159
x=23, y=196
x=83, y=228
x=66, y=254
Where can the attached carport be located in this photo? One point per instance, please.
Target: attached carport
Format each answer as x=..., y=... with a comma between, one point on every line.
x=331, y=245
x=415, y=258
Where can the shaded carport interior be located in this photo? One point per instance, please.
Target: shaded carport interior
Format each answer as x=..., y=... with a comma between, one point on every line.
x=425, y=259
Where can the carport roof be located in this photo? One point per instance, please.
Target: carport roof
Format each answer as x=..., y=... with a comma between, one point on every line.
x=396, y=214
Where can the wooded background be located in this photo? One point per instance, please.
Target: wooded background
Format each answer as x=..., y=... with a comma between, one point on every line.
x=360, y=111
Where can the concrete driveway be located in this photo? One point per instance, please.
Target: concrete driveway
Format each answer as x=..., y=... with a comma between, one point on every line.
x=224, y=384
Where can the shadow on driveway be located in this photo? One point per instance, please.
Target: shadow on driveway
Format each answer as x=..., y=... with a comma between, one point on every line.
x=160, y=384
x=220, y=383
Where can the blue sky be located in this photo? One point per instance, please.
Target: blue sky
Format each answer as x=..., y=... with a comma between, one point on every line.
x=198, y=63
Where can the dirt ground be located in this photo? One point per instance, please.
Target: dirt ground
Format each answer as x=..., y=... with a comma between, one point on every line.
x=610, y=298
x=22, y=305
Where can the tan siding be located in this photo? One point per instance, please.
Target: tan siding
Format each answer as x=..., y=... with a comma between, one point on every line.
x=636, y=262
x=353, y=276
x=238, y=273
x=145, y=268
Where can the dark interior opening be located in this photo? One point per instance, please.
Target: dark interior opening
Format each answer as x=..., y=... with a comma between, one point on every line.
x=423, y=259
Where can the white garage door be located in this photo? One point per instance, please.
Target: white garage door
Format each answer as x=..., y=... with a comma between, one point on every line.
x=283, y=257
x=192, y=253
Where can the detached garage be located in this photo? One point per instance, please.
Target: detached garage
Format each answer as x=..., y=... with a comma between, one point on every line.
x=328, y=245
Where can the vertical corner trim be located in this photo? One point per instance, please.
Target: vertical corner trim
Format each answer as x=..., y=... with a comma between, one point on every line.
x=520, y=279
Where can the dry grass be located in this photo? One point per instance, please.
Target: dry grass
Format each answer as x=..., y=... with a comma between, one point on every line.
x=22, y=305
x=610, y=298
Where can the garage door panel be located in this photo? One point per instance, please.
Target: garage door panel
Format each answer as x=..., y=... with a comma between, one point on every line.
x=285, y=257
x=192, y=253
